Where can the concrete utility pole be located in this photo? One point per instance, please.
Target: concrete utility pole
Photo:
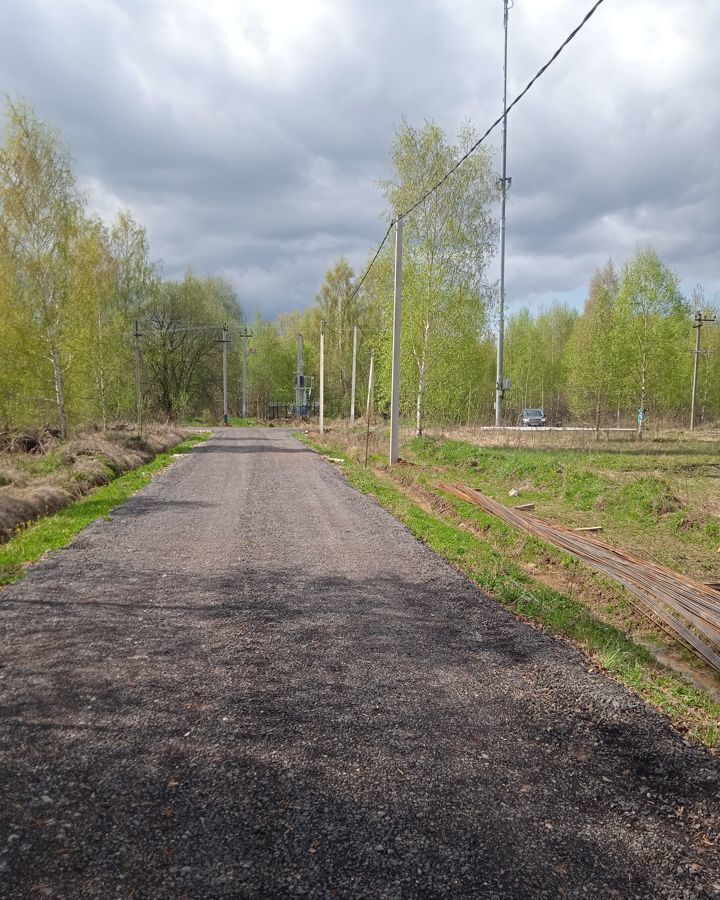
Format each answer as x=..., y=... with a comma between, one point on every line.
x=138, y=367
x=700, y=320
x=322, y=376
x=352, y=379
x=225, y=341
x=299, y=377
x=368, y=411
x=245, y=335
x=395, y=382
x=371, y=385
x=499, y=386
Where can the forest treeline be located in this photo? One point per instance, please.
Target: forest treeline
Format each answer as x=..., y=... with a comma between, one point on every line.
x=72, y=288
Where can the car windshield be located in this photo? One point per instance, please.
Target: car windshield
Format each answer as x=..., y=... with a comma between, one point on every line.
x=534, y=413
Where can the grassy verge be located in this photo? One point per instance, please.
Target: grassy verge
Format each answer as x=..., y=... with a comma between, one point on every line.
x=498, y=572
x=52, y=532
x=657, y=499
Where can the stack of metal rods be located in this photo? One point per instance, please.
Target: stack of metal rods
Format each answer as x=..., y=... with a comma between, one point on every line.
x=691, y=610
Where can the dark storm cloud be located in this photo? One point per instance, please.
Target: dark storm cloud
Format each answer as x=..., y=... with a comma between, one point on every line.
x=250, y=137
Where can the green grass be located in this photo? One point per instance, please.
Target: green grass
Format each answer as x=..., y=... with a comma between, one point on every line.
x=41, y=465
x=494, y=567
x=659, y=499
x=52, y=532
x=235, y=421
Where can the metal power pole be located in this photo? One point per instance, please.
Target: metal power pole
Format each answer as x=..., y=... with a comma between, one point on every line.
x=395, y=382
x=225, y=341
x=499, y=389
x=299, y=377
x=138, y=386
x=352, y=380
x=700, y=320
x=322, y=376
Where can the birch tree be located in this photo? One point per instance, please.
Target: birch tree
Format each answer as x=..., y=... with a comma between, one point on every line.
x=449, y=240
x=652, y=315
x=40, y=210
x=595, y=381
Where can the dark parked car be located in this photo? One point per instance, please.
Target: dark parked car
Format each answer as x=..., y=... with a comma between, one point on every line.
x=532, y=417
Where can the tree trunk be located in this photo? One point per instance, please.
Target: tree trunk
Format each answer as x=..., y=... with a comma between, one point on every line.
x=597, y=417
x=59, y=390
x=420, y=402
x=643, y=397
x=101, y=377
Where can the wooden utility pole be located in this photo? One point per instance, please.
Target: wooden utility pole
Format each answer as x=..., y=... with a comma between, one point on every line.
x=699, y=321
x=137, y=334
x=395, y=381
x=322, y=376
x=352, y=377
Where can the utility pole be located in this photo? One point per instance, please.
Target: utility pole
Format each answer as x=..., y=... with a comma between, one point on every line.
x=299, y=377
x=505, y=182
x=322, y=376
x=138, y=367
x=352, y=380
x=700, y=320
x=395, y=383
x=245, y=335
x=368, y=411
x=225, y=342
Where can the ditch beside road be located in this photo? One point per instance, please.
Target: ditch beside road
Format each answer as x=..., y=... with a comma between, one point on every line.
x=254, y=682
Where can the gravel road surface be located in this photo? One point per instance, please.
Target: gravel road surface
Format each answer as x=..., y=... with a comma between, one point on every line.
x=253, y=682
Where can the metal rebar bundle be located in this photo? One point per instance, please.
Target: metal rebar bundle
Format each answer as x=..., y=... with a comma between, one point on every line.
x=688, y=608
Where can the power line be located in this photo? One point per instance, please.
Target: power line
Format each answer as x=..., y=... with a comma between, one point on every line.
x=499, y=119
x=541, y=71
x=372, y=262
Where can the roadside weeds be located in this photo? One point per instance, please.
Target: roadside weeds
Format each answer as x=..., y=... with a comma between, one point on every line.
x=51, y=532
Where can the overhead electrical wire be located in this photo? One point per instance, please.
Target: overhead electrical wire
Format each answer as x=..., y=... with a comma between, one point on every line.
x=541, y=71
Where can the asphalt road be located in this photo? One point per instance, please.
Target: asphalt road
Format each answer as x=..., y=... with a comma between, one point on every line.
x=253, y=682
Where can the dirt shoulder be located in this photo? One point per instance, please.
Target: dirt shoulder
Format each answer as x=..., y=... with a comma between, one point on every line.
x=40, y=475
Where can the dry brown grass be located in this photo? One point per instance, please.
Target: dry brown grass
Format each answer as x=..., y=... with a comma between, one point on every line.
x=44, y=480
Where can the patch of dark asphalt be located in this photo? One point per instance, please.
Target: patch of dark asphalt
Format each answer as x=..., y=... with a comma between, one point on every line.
x=253, y=682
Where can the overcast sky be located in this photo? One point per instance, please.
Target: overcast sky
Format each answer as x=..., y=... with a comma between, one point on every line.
x=249, y=135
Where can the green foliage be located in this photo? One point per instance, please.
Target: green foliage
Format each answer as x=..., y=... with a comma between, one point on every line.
x=447, y=244
x=182, y=346
x=652, y=332
x=72, y=288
